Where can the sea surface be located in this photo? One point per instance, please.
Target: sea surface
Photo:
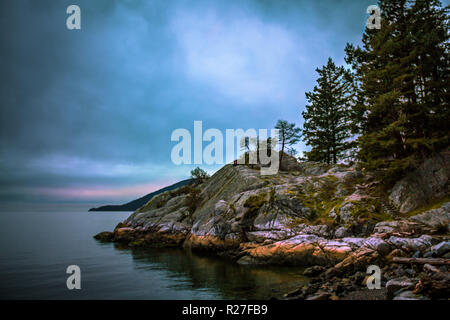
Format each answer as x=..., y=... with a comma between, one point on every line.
x=38, y=245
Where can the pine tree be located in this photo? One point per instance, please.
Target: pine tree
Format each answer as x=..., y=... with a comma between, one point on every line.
x=402, y=70
x=288, y=135
x=326, y=128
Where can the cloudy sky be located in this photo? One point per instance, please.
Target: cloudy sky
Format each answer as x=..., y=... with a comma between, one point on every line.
x=87, y=115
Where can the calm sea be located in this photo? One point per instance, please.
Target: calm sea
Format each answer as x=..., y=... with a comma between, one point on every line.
x=37, y=246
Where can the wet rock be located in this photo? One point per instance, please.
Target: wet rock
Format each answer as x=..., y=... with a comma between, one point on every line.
x=319, y=296
x=408, y=295
x=394, y=285
x=396, y=253
x=104, y=236
x=125, y=234
x=435, y=285
x=313, y=271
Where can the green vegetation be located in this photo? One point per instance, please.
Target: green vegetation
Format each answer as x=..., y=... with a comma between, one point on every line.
x=199, y=174
x=289, y=135
x=402, y=72
x=320, y=200
x=193, y=199
x=327, y=117
x=394, y=101
x=254, y=203
x=433, y=205
x=370, y=209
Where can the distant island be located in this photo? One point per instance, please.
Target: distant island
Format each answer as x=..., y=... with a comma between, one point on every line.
x=136, y=204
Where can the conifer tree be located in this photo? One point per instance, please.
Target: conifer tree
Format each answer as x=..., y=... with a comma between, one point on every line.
x=327, y=128
x=402, y=70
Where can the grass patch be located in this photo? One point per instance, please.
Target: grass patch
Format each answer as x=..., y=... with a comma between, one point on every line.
x=370, y=210
x=435, y=204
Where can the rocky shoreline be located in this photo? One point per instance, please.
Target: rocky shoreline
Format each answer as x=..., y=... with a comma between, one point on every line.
x=336, y=220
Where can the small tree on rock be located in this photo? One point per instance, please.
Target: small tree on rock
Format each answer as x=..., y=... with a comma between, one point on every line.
x=199, y=174
x=288, y=136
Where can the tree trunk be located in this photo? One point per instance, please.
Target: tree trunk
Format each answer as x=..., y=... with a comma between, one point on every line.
x=430, y=261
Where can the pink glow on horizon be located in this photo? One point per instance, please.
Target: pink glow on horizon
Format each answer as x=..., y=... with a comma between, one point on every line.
x=102, y=193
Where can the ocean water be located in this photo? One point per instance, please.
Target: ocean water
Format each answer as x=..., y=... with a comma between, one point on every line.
x=37, y=246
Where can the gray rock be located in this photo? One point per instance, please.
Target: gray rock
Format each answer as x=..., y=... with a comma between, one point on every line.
x=434, y=218
x=342, y=232
x=319, y=296
x=354, y=242
x=313, y=271
x=345, y=213
x=394, y=285
x=422, y=243
x=409, y=295
x=427, y=182
x=319, y=230
x=441, y=248
x=378, y=244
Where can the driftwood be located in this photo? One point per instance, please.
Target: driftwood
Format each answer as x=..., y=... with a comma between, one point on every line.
x=430, y=268
x=431, y=261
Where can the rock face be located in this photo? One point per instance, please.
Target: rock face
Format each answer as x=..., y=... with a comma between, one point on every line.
x=429, y=181
x=328, y=217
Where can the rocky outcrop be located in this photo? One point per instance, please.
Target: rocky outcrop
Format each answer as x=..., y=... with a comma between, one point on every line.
x=333, y=218
x=426, y=183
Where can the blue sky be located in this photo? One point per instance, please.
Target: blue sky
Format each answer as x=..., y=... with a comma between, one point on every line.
x=87, y=115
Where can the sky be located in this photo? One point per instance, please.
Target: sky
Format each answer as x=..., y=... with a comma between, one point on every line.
x=87, y=115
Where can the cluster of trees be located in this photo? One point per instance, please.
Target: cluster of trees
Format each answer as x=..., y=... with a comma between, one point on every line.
x=391, y=110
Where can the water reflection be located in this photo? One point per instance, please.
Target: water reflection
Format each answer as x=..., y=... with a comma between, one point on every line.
x=226, y=279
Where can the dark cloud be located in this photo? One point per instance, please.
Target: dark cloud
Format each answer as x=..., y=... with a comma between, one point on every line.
x=96, y=107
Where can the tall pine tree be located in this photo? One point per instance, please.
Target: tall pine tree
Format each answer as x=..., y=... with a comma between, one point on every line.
x=402, y=70
x=326, y=128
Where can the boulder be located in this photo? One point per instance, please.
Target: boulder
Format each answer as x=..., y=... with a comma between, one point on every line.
x=394, y=285
x=413, y=244
x=342, y=232
x=313, y=271
x=428, y=182
x=435, y=218
x=104, y=236
x=378, y=244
